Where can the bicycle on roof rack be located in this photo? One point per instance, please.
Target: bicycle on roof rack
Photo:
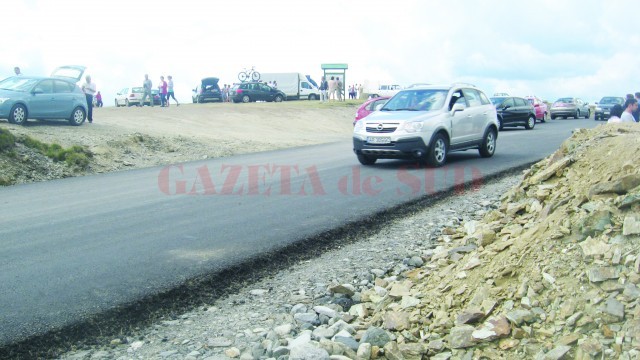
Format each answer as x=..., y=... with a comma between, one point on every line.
x=246, y=75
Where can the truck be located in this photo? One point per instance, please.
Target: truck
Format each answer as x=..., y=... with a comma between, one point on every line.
x=295, y=85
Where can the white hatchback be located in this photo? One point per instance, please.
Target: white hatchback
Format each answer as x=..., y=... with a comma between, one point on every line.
x=425, y=123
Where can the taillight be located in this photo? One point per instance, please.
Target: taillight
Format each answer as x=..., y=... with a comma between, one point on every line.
x=132, y=95
x=239, y=91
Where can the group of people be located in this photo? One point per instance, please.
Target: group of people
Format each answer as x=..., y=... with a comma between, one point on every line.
x=355, y=91
x=628, y=112
x=331, y=89
x=165, y=91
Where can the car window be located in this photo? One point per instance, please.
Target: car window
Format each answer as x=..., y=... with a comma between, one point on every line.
x=45, y=86
x=565, y=100
x=417, y=100
x=457, y=98
x=63, y=86
x=508, y=102
x=17, y=83
x=472, y=96
x=520, y=102
x=484, y=99
x=264, y=87
x=305, y=85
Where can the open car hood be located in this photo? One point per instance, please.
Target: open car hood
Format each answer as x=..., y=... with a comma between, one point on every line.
x=69, y=72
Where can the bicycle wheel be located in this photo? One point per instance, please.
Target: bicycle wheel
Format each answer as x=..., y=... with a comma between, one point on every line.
x=242, y=76
x=255, y=76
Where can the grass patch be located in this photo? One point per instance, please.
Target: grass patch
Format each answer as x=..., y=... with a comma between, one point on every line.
x=75, y=156
x=7, y=141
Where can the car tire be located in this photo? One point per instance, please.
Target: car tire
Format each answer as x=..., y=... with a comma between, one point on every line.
x=577, y=115
x=545, y=117
x=588, y=114
x=500, y=126
x=553, y=117
x=531, y=123
x=278, y=98
x=18, y=115
x=437, y=154
x=367, y=160
x=77, y=116
x=488, y=146
x=246, y=99
x=313, y=97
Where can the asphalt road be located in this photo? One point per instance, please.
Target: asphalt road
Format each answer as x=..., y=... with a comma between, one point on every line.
x=76, y=247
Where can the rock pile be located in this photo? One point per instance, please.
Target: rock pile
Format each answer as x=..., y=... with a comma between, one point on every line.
x=552, y=273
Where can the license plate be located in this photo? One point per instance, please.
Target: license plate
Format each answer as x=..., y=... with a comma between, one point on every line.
x=378, y=139
x=606, y=113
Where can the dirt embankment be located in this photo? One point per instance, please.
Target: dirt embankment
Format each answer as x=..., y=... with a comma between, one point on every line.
x=127, y=138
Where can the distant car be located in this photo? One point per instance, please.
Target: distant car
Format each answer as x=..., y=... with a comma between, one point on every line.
x=570, y=107
x=131, y=96
x=385, y=90
x=540, y=107
x=425, y=123
x=55, y=97
x=514, y=111
x=207, y=90
x=369, y=106
x=255, y=91
x=603, y=107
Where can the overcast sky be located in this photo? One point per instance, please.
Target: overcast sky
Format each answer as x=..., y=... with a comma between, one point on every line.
x=548, y=48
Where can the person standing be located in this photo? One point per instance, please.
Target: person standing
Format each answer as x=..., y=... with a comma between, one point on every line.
x=324, y=87
x=636, y=114
x=332, y=88
x=146, y=91
x=17, y=71
x=616, y=112
x=89, y=89
x=360, y=92
x=339, y=88
x=99, y=99
x=170, y=92
x=630, y=106
x=162, y=90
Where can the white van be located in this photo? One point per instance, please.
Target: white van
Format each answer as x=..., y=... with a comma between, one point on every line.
x=295, y=85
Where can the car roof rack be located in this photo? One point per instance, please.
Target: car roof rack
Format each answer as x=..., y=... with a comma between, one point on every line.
x=457, y=83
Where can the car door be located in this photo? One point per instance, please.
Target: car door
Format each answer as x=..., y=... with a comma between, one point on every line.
x=508, y=111
x=65, y=99
x=521, y=110
x=265, y=93
x=478, y=113
x=42, y=100
x=461, y=121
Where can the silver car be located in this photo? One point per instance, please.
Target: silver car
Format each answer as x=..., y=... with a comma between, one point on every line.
x=425, y=123
x=570, y=107
x=55, y=97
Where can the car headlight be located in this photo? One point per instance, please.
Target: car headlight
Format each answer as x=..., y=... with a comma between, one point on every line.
x=2, y=100
x=412, y=126
x=359, y=125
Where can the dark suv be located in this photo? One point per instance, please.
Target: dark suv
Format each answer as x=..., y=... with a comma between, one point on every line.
x=208, y=90
x=255, y=91
x=603, y=107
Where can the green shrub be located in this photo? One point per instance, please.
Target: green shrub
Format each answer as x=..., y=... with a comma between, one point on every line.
x=7, y=140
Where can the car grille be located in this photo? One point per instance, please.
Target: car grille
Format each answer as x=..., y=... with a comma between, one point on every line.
x=381, y=128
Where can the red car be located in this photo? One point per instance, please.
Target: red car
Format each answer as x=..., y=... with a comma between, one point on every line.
x=542, y=113
x=369, y=106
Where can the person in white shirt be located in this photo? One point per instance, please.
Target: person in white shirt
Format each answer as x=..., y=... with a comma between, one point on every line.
x=616, y=112
x=630, y=106
x=89, y=90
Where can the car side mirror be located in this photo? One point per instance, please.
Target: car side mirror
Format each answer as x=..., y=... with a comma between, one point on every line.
x=456, y=108
x=505, y=107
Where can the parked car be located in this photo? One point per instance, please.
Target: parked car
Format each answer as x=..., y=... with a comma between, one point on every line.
x=133, y=95
x=207, y=90
x=38, y=97
x=570, y=106
x=603, y=107
x=255, y=91
x=425, y=123
x=514, y=111
x=369, y=106
x=540, y=107
x=385, y=90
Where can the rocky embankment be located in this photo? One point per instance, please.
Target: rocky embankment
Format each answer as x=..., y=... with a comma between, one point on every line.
x=548, y=270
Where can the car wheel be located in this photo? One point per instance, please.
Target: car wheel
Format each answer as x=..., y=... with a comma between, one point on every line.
x=531, y=123
x=545, y=117
x=18, y=115
x=588, y=114
x=313, y=97
x=116, y=101
x=595, y=117
x=127, y=103
x=278, y=98
x=488, y=146
x=246, y=99
x=577, y=115
x=366, y=160
x=500, y=126
x=553, y=117
x=437, y=154
x=77, y=116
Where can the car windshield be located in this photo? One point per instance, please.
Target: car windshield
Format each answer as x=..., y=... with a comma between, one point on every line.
x=612, y=100
x=565, y=100
x=17, y=83
x=497, y=100
x=416, y=100
x=137, y=90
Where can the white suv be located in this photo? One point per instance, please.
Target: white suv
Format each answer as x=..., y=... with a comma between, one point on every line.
x=426, y=123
